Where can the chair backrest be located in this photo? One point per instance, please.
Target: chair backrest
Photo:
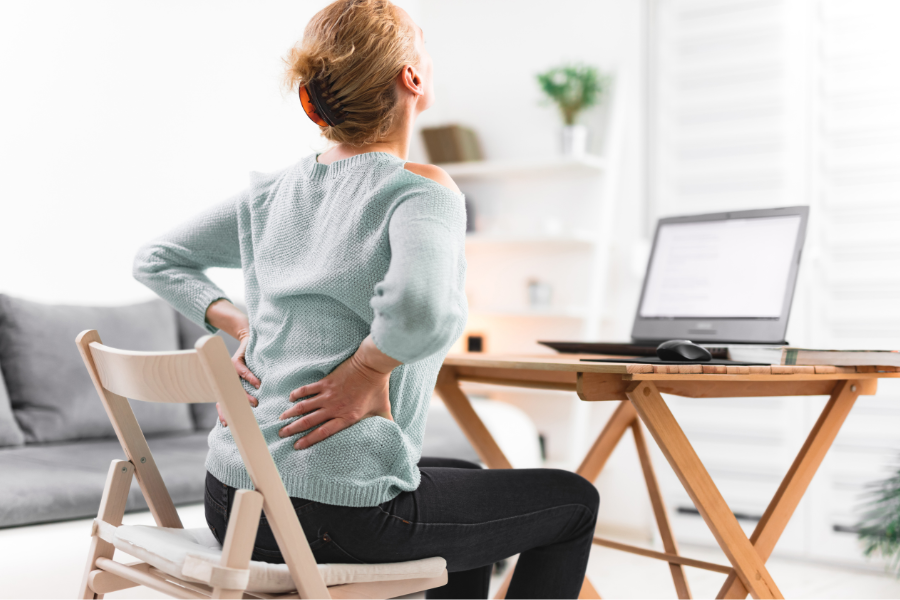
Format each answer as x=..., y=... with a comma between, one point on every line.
x=204, y=374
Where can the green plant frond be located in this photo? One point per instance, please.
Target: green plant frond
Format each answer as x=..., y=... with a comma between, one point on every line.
x=573, y=87
x=879, y=527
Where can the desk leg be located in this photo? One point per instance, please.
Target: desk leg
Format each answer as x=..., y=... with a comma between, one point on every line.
x=468, y=420
x=798, y=477
x=659, y=510
x=748, y=564
x=460, y=407
x=607, y=441
x=624, y=417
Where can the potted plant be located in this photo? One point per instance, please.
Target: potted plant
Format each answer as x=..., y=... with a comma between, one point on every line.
x=880, y=527
x=573, y=87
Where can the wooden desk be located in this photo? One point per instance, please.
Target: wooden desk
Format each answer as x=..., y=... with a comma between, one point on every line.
x=638, y=387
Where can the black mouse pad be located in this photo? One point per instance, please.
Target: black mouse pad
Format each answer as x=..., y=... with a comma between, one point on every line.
x=648, y=360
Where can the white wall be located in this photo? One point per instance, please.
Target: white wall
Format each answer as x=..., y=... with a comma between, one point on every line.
x=119, y=120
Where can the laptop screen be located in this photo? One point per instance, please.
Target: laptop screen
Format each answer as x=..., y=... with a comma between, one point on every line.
x=723, y=269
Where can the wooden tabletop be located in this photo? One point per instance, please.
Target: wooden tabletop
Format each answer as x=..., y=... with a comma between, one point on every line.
x=637, y=371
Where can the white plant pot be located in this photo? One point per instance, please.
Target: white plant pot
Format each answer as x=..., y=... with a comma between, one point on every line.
x=574, y=140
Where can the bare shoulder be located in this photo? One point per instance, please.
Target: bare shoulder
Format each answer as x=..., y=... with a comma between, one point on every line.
x=434, y=173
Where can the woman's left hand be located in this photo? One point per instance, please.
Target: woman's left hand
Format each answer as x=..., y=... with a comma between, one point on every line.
x=355, y=390
x=243, y=372
x=224, y=315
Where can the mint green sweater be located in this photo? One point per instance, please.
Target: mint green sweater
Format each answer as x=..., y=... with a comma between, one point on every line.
x=330, y=254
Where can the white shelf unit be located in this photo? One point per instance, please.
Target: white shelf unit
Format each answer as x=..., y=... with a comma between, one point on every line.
x=545, y=219
x=514, y=249
x=558, y=165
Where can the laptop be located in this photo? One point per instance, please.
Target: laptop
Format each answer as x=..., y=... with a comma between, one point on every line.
x=716, y=279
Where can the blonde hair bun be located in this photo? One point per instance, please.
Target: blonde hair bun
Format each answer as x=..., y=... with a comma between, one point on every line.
x=354, y=50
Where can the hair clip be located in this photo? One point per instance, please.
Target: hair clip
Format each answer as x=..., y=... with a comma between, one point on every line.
x=316, y=108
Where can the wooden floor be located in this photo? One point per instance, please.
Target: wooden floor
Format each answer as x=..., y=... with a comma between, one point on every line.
x=25, y=552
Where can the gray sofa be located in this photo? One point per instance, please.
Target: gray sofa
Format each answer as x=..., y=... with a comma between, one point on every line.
x=56, y=441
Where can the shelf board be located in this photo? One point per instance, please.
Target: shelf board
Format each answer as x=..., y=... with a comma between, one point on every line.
x=529, y=313
x=474, y=240
x=498, y=169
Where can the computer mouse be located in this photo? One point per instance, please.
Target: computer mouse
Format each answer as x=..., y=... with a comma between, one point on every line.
x=682, y=350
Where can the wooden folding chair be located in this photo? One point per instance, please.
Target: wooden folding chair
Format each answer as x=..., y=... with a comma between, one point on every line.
x=189, y=563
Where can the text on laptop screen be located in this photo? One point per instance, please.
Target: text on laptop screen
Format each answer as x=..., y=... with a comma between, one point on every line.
x=733, y=268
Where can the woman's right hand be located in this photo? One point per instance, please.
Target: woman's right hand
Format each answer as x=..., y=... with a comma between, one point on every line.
x=356, y=389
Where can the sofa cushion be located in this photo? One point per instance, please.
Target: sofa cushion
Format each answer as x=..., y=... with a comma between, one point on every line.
x=205, y=415
x=443, y=437
x=53, y=482
x=52, y=396
x=10, y=433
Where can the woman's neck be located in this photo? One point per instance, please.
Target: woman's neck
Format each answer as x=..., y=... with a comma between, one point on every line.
x=396, y=142
x=342, y=151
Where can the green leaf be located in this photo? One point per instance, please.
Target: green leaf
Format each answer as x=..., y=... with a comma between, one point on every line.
x=879, y=528
x=573, y=87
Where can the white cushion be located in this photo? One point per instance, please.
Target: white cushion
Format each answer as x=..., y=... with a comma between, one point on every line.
x=194, y=555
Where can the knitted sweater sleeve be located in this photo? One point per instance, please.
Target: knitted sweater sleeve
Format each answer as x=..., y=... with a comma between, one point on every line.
x=173, y=265
x=420, y=304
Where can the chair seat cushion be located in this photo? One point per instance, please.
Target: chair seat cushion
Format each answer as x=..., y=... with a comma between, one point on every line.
x=179, y=552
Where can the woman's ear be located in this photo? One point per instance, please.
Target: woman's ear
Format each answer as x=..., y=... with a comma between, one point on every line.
x=412, y=81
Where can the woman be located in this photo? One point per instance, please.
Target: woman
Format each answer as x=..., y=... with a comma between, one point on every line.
x=354, y=269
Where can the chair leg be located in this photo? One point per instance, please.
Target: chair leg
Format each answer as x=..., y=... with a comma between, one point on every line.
x=504, y=587
x=112, y=509
x=240, y=536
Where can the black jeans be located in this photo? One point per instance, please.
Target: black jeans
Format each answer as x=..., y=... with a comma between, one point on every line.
x=472, y=517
